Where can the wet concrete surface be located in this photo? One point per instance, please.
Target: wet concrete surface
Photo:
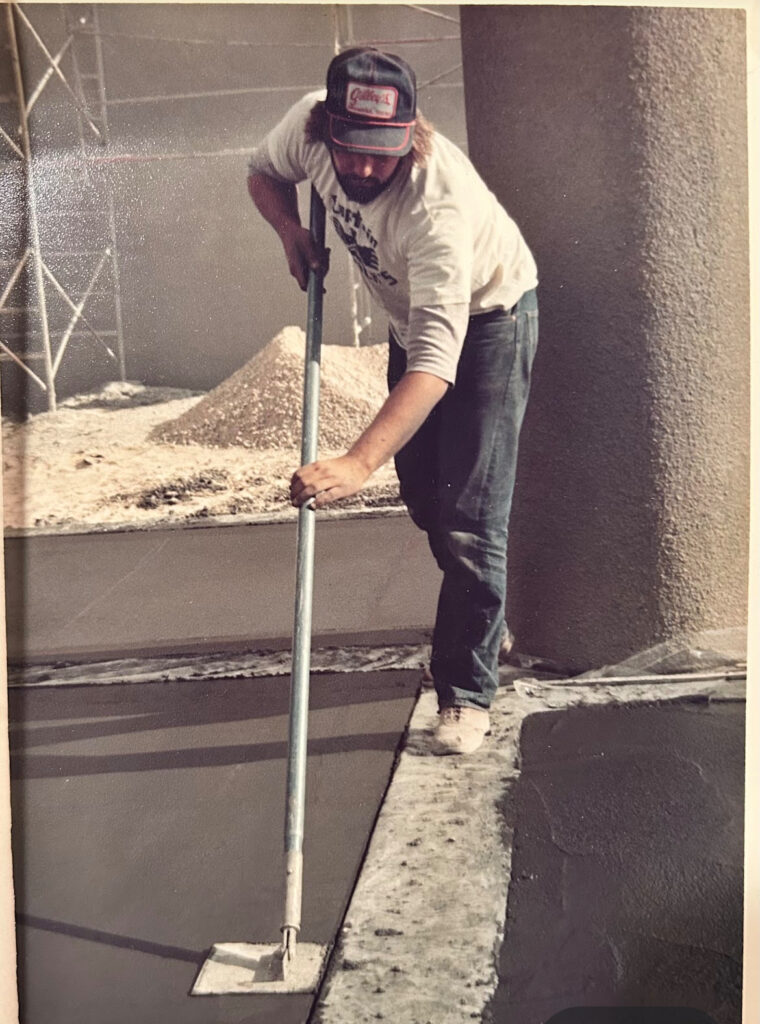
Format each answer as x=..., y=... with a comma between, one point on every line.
x=213, y=587
x=627, y=863
x=148, y=824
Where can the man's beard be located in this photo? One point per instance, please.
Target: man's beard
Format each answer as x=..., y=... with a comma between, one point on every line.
x=363, y=190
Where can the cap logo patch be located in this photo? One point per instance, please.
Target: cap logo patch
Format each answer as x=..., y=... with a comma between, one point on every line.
x=371, y=100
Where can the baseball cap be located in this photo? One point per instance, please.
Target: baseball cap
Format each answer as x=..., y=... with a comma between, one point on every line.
x=371, y=102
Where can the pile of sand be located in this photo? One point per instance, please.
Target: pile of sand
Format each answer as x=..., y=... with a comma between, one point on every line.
x=259, y=406
x=137, y=455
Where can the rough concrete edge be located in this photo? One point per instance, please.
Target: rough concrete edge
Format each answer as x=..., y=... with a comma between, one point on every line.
x=288, y=515
x=544, y=695
x=188, y=668
x=424, y=927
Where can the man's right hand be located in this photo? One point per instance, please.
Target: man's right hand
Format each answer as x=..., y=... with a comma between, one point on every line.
x=277, y=203
x=302, y=254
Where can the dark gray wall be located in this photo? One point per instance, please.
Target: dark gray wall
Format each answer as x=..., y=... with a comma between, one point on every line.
x=203, y=282
x=624, y=160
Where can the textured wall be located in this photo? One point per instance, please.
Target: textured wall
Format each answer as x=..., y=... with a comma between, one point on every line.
x=623, y=157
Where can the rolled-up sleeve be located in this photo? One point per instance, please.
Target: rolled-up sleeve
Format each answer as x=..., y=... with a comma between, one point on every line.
x=434, y=339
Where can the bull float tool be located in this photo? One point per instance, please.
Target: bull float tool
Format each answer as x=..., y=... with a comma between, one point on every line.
x=290, y=967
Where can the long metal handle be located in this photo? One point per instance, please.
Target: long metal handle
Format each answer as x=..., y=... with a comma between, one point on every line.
x=299, y=679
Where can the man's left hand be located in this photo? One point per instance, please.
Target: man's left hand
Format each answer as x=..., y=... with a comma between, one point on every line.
x=328, y=480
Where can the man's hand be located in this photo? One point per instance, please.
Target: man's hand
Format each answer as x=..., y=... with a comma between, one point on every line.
x=301, y=253
x=401, y=415
x=277, y=202
x=328, y=480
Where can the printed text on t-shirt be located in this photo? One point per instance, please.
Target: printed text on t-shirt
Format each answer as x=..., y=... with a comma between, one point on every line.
x=352, y=232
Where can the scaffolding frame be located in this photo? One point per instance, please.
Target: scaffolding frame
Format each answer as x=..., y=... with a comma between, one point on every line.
x=93, y=125
x=44, y=277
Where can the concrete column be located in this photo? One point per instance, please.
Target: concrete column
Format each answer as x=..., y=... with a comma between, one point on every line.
x=617, y=139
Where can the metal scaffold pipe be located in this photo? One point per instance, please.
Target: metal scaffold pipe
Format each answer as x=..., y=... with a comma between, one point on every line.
x=34, y=229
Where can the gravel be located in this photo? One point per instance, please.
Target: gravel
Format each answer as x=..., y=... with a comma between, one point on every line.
x=259, y=406
x=131, y=454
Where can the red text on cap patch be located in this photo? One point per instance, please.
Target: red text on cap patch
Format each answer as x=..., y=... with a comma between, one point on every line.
x=371, y=100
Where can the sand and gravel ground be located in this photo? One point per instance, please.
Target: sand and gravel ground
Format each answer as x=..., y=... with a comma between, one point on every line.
x=137, y=455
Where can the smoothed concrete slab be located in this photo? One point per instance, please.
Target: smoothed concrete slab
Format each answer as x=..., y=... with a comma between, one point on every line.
x=107, y=594
x=627, y=863
x=148, y=825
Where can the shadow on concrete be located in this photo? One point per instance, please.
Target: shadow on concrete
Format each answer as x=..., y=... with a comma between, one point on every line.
x=126, y=870
x=57, y=765
x=119, y=941
x=121, y=709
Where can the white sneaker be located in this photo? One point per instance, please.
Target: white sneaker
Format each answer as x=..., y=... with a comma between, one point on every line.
x=460, y=730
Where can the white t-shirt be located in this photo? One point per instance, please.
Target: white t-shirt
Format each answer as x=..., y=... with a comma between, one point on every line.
x=434, y=248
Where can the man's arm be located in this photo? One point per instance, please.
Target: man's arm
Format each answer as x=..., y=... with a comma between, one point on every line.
x=277, y=202
x=402, y=414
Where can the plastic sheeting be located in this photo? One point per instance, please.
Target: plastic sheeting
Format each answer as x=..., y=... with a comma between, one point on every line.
x=713, y=651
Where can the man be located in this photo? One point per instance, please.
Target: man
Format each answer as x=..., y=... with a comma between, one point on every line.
x=457, y=281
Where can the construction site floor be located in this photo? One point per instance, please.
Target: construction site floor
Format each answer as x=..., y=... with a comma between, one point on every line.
x=589, y=855
x=148, y=825
x=626, y=882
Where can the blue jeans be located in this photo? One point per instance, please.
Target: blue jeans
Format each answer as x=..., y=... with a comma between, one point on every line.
x=457, y=476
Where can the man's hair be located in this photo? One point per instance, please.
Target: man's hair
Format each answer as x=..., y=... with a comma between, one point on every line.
x=422, y=145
